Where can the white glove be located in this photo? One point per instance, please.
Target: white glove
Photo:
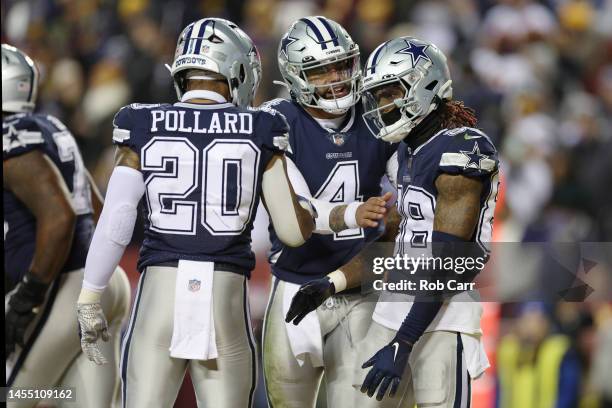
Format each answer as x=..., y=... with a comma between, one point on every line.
x=92, y=327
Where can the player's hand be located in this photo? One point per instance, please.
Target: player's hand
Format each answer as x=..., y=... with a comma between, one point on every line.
x=22, y=308
x=388, y=365
x=369, y=213
x=310, y=296
x=92, y=328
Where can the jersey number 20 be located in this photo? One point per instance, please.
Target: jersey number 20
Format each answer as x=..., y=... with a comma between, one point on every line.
x=227, y=176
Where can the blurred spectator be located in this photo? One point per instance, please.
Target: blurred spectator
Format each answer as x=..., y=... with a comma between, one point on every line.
x=539, y=368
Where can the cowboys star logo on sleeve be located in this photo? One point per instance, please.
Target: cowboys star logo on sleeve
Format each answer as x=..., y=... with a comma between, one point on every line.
x=474, y=158
x=19, y=138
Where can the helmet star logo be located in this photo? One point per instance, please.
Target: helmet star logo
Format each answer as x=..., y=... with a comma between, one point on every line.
x=415, y=51
x=474, y=158
x=286, y=42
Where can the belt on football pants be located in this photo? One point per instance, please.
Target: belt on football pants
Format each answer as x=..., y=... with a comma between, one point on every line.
x=219, y=266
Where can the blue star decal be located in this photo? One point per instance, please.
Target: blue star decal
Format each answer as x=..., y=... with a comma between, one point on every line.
x=286, y=42
x=474, y=158
x=415, y=51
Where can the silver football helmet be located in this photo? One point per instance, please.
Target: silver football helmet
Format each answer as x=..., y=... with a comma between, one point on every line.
x=308, y=54
x=19, y=81
x=219, y=46
x=404, y=81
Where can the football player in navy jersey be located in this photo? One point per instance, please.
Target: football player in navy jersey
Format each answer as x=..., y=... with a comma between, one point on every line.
x=425, y=350
x=197, y=168
x=332, y=157
x=50, y=206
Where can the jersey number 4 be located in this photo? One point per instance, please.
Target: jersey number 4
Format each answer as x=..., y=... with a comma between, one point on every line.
x=227, y=176
x=342, y=186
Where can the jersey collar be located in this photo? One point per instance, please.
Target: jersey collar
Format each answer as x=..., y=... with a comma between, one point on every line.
x=429, y=139
x=220, y=101
x=347, y=124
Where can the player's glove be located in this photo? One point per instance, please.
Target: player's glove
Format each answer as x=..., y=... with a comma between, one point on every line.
x=388, y=365
x=22, y=308
x=92, y=328
x=310, y=296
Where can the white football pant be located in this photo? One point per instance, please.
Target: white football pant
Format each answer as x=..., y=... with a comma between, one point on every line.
x=52, y=354
x=151, y=378
x=344, y=321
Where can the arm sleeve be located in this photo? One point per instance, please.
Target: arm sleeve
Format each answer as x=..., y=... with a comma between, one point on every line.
x=322, y=207
x=115, y=227
x=276, y=190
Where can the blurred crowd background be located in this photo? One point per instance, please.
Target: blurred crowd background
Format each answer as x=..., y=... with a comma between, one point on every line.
x=538, y=74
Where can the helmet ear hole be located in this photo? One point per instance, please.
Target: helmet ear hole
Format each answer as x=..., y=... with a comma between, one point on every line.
x=431, y=85
x=215, y=39
x=242, y=74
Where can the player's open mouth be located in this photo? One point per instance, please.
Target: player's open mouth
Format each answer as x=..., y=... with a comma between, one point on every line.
x=337, y=91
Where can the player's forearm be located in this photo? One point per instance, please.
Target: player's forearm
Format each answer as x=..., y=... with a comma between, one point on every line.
x=352, y=272
x=292, y=227
x=102, y=259
x=358, y=269
x=53, y=242
x=343, y=217
x=115, y=227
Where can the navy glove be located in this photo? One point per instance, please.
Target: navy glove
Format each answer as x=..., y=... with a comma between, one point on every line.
x=310, y=296
x=22, y=309
x=388, y=365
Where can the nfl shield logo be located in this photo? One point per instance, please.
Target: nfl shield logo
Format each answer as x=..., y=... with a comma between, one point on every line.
x=194, y=285
x=338, y=139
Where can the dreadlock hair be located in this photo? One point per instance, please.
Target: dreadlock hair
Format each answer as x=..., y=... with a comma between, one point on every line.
x=455, y=114
x=448, y=115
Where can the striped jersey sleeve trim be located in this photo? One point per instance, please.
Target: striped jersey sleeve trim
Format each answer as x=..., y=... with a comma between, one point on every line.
x=462, y=160
x=120, y=135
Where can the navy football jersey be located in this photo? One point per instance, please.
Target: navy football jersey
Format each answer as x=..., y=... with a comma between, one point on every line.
x=22, y=133
x=340, y=167
x=465, y=151
x=202, y=166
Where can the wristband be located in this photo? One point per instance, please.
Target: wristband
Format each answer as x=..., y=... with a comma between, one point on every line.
x=338, y=279
x=34, y=286
x=350, y=214
x=89, y=296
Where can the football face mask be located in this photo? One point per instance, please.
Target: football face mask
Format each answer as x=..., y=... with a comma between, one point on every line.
x=332, y=85
x=391, y=106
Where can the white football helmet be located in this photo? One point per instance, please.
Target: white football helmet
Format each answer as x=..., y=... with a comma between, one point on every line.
x=404, y=81
x=19, y=81
x=312, y=47
x=219, y=46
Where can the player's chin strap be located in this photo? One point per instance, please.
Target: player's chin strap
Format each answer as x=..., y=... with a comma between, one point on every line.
x=281, y=83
